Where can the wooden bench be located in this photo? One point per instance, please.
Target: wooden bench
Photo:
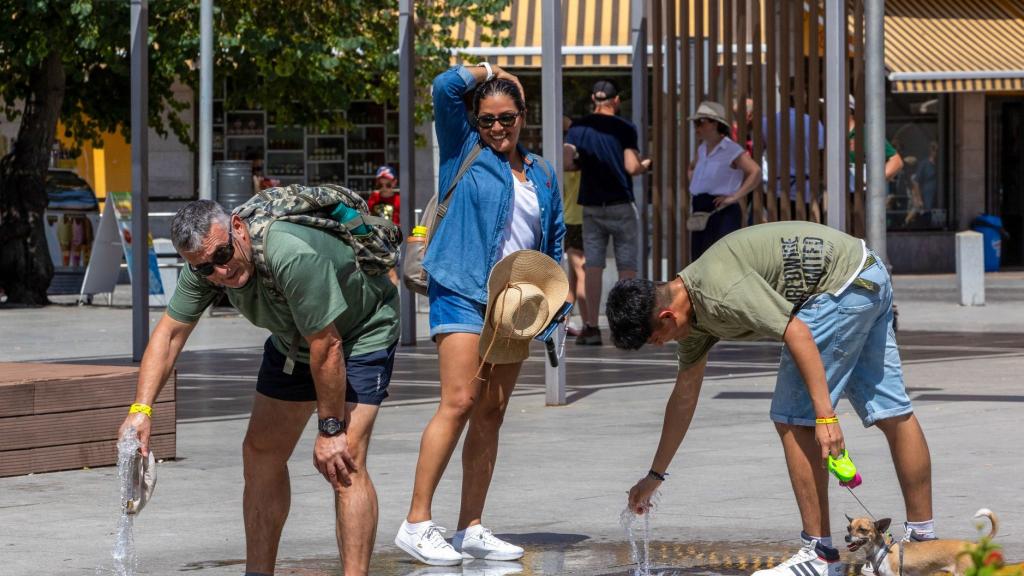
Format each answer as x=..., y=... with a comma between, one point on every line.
x=66, y=416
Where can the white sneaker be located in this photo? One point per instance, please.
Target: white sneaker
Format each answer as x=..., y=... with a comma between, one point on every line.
x=427, y=544
x=479, y=542
x=490, y=568
x=807, y=562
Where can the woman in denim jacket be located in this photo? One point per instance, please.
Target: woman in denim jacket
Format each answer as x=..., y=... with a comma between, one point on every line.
x=506, y=201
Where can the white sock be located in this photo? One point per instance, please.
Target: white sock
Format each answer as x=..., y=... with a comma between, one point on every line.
x=825, y=541
x=417, y=527
x=922, y=530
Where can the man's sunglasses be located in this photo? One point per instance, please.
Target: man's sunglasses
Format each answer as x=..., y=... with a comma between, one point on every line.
x=221, y=256
x=506, y=119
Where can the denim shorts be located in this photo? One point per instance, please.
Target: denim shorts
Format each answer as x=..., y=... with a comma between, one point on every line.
x=368, y=376
x=854, y=334
x=617, y=221
x=451, y=312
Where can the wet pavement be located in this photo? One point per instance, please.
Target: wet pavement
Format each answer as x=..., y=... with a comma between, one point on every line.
x=548, y=554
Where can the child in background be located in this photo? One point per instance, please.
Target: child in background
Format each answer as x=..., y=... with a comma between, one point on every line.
x=384, y=201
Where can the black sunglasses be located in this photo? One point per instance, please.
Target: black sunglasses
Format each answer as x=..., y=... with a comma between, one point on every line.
x=221, y=256
x=506, y=119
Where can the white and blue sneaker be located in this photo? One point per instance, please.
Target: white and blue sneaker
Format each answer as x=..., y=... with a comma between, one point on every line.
x=813, y=559
x=479, y=542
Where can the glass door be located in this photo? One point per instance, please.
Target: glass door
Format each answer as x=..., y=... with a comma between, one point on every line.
x=1006, y=173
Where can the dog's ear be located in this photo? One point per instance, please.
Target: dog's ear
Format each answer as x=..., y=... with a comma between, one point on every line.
x=883, y=524
x=848, y=519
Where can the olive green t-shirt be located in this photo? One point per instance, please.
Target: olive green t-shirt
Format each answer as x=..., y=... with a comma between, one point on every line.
x=749, y=284
x=318, y=274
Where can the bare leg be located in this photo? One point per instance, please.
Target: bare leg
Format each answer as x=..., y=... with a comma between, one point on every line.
x=627, y=274
x=913, y=464
x=357, y=504
x=459, y=360
x=593, y=290
x=274, y=429
x=808, y=477
x=480, y=451
x=577, y=280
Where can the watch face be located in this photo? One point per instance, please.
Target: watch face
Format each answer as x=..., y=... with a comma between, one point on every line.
x=330, y=426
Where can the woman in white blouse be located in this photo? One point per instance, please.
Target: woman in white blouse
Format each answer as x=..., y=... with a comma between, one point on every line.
x=721, y=175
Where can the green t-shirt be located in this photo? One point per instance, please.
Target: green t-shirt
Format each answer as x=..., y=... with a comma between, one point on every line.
x=748, y=284
x=890, y=150
x=318, y=275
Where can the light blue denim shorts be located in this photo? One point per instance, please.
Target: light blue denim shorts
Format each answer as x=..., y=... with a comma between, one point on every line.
x=858, y=348
x=452, y=312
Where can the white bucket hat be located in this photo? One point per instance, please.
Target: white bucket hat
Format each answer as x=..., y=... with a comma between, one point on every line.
x=143, y=482
x=712, y=111
x=525, y=290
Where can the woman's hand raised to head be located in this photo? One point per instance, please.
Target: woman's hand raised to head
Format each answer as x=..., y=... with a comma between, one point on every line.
x=500, y=72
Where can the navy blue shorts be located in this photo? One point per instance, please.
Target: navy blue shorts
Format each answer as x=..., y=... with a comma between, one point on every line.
x=368, y=377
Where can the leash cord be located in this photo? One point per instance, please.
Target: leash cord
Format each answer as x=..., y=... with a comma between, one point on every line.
x=861, y=503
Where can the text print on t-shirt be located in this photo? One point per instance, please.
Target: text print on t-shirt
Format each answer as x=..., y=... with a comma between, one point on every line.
x=804, y=260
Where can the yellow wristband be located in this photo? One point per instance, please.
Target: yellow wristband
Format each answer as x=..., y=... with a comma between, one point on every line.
x=829, y=420
x=143, y=408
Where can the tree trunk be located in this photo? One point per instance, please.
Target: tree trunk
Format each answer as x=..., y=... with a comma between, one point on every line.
x=25, y=265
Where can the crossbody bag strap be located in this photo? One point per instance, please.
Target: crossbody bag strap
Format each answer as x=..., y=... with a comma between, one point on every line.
x=442, y=206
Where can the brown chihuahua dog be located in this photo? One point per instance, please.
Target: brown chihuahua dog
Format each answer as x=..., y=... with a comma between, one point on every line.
x=910, y=558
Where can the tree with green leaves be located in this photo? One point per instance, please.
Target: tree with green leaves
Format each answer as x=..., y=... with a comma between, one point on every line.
x=69, y=61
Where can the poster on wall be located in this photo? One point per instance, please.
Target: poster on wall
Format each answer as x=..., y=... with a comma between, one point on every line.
x=113, y=243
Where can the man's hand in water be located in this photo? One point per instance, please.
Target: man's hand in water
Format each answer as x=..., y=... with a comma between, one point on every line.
x=143, y=425
x=640, y=494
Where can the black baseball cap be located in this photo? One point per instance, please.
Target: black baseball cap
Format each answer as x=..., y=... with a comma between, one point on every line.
x=604, y=90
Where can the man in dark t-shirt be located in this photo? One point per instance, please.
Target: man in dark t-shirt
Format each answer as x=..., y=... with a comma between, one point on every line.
x=604, y=147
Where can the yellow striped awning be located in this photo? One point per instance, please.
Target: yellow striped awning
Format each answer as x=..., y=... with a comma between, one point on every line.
x=954, y=45
x=595, y=33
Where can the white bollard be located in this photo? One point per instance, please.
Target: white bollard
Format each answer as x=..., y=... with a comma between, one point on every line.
x=970, y=268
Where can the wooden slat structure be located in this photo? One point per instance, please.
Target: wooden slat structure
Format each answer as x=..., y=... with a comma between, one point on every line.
x=763, y=61
x=65, y=416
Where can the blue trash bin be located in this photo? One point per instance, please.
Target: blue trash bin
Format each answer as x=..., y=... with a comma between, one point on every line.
x=991, y=228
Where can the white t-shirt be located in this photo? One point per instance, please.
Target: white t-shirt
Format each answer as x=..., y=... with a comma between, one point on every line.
x=714, y=173
x=522, y=229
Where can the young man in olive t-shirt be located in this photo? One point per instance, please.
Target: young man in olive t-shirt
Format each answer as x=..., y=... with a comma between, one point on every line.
x=332, y=346
x=815, y=289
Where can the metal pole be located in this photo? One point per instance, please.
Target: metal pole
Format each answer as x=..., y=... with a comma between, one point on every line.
x=140, y=177
x=638, y=37
x=205, y=98
x=835, y=110
x=406, y=146
x=874, y=96
x=551, y=103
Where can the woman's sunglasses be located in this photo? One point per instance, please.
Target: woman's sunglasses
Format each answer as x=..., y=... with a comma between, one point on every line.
x=506, y=119
x=221, y=256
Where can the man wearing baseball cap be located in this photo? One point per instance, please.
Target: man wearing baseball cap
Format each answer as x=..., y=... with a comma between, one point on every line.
x=603, y=147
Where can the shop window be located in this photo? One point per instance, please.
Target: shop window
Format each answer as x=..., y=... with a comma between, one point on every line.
x=919, y=195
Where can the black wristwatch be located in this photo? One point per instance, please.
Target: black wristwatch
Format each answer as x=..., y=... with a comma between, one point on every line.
x=330, y=426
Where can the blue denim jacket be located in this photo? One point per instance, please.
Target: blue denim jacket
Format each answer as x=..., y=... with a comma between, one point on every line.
x=467, y=244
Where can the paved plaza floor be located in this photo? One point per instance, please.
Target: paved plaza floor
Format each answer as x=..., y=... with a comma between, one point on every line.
x=562, y=473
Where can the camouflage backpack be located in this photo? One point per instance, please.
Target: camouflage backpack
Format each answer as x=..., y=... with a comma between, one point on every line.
x=376, y=251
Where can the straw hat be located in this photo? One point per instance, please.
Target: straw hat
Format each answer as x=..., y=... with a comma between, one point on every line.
x=524, y=291
x=710, y=110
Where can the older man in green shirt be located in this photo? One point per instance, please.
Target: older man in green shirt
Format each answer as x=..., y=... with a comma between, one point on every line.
x=829, y=299
x=333, y=336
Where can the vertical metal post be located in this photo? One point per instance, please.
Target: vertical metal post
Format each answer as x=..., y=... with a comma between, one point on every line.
x=205, y=98
x=638, y=38
x=551, y=102
x=140, y=177
x=407, y=144
x=835, y=111
x=875, y=133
